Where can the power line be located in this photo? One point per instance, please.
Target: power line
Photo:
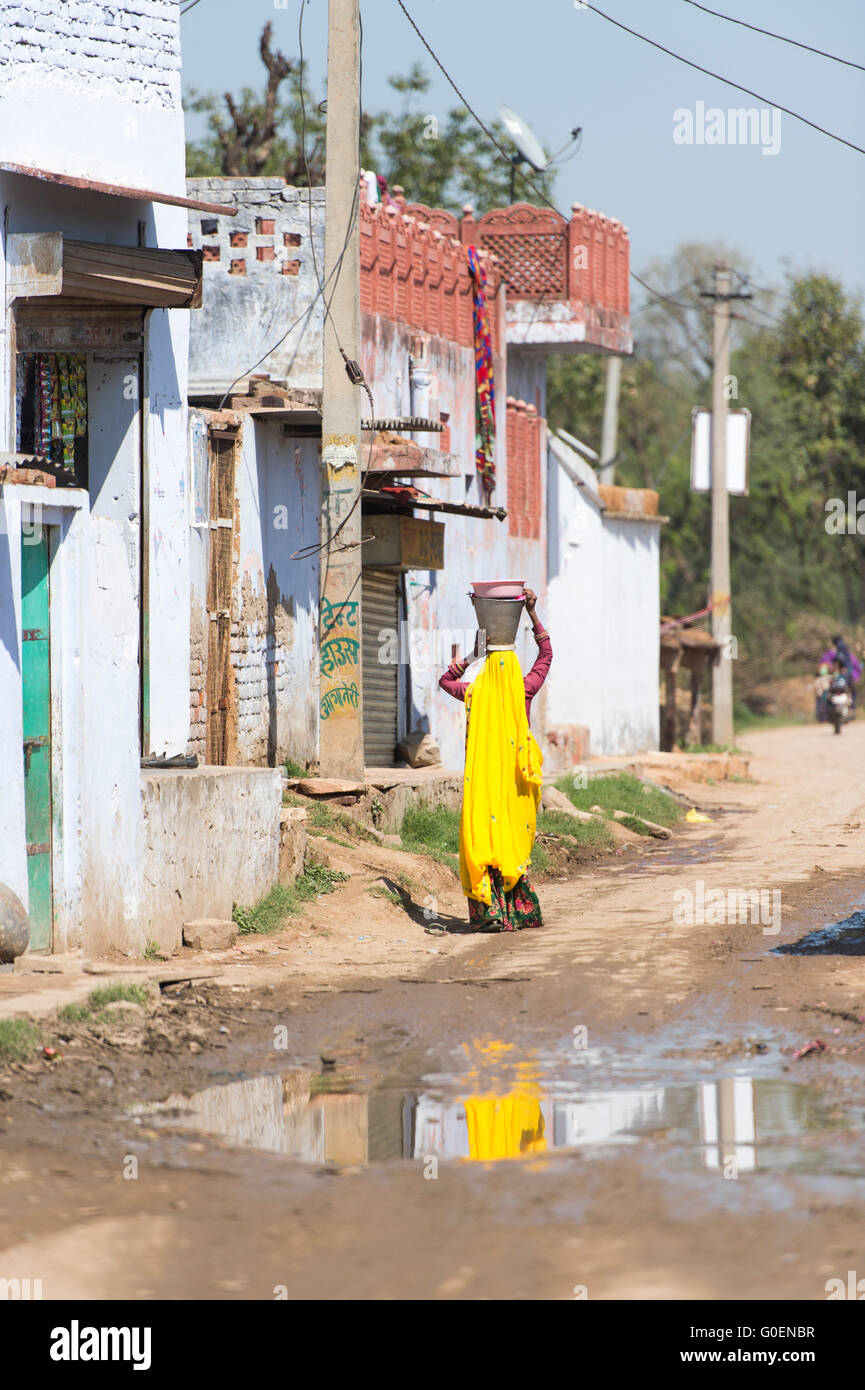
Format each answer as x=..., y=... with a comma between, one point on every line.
x=782, y=37
x=190, y=6
x=726, y=80
x=491, y=137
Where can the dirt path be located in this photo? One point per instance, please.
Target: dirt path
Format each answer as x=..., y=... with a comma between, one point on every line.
x=666, y=1004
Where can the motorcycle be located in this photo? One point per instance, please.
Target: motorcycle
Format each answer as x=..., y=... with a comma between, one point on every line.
x=838, y=701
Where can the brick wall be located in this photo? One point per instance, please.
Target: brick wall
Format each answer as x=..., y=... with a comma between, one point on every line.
x=524, y=438
x=131, y=46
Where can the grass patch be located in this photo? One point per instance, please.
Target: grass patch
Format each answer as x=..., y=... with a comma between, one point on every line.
x=323, y=818
x=709, y=748
x=293, y=769
x=434, y=831
x=19, y=1039
x=623, y=792
x=378, y=890
x=540, y=859
x=591, y=833
x=269, y=915
x=94, y=1005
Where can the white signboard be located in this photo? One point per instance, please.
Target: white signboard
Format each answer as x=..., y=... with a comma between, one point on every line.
x=738, y=446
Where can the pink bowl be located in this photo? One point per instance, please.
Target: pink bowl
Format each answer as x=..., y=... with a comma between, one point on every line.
x=500, y=588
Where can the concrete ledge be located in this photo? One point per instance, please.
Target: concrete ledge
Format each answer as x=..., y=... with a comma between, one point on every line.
x=675, y=767
x=211, y=838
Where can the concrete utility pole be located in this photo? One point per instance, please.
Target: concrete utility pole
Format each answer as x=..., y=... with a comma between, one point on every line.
x=722, y=671
x=340, y=681
x=610, y=426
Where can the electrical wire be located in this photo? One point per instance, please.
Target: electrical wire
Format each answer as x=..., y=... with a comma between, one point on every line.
x=190, y=6
x=769, y=34
x=726, y=80
x=491, y=137
x=306, y=552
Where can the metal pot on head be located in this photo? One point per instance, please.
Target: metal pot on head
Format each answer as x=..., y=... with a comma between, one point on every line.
x=499, y=618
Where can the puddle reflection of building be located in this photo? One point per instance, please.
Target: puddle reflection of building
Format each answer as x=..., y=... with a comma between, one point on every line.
x=728, y=1122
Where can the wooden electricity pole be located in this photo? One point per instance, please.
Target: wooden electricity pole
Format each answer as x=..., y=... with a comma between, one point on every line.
x=340, y=682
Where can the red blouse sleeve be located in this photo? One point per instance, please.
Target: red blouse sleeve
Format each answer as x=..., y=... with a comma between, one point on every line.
x=451, y=682
x=539, y=672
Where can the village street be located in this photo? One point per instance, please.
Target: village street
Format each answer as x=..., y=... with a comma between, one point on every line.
x=690, y=1154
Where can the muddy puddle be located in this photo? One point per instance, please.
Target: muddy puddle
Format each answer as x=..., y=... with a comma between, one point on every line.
x=844, y=938
x=741, y=1122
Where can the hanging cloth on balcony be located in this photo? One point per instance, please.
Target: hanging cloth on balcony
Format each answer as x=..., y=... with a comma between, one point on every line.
x=485, y=386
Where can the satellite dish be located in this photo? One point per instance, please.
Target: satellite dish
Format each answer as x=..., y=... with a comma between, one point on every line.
x=526, y=142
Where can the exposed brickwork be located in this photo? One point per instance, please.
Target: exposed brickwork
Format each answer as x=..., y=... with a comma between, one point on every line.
x=291, y=267
x=524, y=438
x=237, y=267
x=239, y=239
x=211, y=253
x=265, y=226
x=291, y=238
x=131, y=46
x=265, y=253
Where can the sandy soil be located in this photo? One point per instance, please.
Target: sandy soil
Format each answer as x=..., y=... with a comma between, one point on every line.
x=362, y=979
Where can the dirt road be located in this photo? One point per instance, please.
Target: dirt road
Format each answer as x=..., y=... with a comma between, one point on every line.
x=643, y=1054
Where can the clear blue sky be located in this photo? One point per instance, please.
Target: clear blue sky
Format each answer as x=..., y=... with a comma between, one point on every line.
x=560, y=66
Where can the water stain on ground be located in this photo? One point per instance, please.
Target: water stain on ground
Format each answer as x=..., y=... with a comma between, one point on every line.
x=844, y=938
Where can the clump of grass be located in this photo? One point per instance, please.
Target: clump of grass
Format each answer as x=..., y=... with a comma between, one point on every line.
x=592, y=834
x=293, y=769
x=151, y=951
x=271, y=912
x=623, y=792
x=323, y=818
x=540, y=860
x=94, y=1006
x=709, y=748
x=378, y=890
x=434, y=831
x=19, y=1039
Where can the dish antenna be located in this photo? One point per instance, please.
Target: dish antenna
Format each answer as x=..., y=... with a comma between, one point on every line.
x=529, y=148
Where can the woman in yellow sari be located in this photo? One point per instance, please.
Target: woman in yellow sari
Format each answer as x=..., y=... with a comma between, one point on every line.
x=502, y=783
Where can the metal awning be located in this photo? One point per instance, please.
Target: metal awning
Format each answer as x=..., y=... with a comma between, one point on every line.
x=115, y=190
x=432, y=505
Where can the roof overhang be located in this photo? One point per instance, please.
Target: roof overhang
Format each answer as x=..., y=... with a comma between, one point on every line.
x=432, y=505
x=47, y=265
x=114, y=190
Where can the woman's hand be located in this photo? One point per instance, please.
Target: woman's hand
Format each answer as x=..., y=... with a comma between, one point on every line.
x=531, y=600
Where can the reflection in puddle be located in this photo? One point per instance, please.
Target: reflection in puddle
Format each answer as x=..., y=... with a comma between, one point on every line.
x=845, y=938
x=736, y=1122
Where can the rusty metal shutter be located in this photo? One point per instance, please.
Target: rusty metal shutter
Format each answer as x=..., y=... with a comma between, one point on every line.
x=379, y=613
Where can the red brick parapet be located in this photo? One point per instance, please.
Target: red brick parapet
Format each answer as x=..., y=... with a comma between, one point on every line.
x=414, y=270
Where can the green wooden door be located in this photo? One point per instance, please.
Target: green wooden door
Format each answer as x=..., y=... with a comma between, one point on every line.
x=36, y=682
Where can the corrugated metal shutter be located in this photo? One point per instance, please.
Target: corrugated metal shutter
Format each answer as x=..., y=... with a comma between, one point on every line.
x=380, y=610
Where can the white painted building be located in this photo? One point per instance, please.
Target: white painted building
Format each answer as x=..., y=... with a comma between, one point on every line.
x=97, y=282
x=603, y=587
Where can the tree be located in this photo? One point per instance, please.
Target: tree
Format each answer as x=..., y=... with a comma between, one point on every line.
x=282, y=131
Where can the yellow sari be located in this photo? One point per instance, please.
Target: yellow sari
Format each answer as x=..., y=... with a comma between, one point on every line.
x=502, y=784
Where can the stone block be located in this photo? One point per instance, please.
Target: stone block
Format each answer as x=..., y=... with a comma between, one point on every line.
x=209, y=934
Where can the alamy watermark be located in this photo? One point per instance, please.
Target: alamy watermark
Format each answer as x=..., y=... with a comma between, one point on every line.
x=735, y=126
x=732, y=906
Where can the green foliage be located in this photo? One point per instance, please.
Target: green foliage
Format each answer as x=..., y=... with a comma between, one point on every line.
x=623, y=792
x=271, y=912
x=19, y=1039
x=798, y=364
x=293, y=769
x=97, y=999
x=441, y=161
x=434, y=831
x=591, y=834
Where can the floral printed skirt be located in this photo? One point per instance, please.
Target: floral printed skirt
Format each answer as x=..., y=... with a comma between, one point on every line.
x=507, y=911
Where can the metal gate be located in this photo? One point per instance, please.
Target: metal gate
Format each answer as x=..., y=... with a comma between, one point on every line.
x=380, y=623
